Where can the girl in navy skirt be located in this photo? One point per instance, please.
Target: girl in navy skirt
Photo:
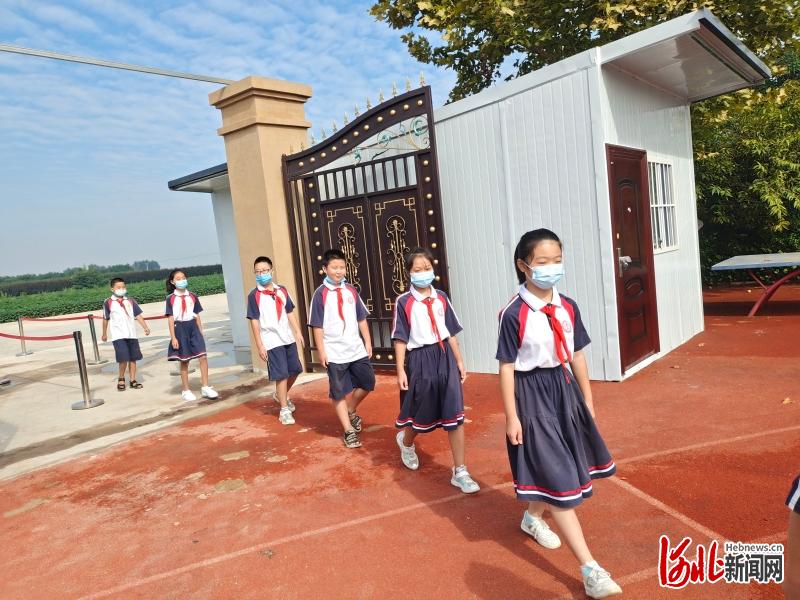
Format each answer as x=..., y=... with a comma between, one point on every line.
x=186, y=333
x=429, y=368
x=554, y=447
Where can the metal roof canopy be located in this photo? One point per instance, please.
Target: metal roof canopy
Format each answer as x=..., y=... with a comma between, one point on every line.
x=208, y=180
x=693, y=57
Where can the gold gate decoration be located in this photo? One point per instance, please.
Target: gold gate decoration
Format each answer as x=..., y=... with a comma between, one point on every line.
x=370, y=190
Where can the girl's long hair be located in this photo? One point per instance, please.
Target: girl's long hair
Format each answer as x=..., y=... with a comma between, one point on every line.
x=170, y=285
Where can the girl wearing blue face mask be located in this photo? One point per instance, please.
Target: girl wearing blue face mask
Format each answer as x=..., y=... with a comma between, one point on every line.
x=429, y=368
x=186, y=333
x=554, y=447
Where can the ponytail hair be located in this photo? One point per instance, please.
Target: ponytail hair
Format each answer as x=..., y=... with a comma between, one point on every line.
x=527, y=244
x=170, y=285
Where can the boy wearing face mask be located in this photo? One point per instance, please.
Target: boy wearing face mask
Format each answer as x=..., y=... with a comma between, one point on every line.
x=272, y=319
x=121, y=313
x=430, y=371
x=338, y=319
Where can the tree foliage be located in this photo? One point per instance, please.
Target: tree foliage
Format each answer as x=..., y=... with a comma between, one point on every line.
x=747, y=144
x=478, y=39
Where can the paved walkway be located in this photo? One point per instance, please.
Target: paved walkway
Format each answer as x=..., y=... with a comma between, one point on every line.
x=37, y=425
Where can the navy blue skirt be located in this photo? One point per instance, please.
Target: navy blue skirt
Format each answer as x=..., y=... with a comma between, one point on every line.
x=190, y=340
x=562, y=450
x=434, y=397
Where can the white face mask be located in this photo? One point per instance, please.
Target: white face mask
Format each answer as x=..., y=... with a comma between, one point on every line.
x=120, y=293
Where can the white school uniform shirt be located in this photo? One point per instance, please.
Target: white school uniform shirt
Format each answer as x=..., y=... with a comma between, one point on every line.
x=183, y=306
x=271, y=312
x=342, y=339
x=412, y=321
x=121, y=315
x=526, y=338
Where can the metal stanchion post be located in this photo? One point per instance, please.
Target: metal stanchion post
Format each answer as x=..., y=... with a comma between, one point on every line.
x=88, y=401
x=25, y=351
x=97, y=360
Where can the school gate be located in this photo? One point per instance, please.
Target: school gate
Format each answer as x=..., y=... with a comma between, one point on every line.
x=372, y=191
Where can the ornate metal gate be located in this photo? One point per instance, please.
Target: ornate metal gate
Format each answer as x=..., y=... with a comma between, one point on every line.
x=372, y=191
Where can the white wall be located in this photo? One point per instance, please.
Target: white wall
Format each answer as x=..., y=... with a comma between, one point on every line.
x=640, y=116
x=517, y=158
x=232, y=273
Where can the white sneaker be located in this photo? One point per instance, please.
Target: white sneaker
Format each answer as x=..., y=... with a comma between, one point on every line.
x=286, y=417
x=540, y=531
x=289, y=404
x=462, y=480
x=408, y=454
x=598, y=583
x=208, y=392
x=188, y=396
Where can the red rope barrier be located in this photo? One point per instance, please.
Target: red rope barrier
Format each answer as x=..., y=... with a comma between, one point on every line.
x=60, y=319
x=99, y=318
x=36, y=338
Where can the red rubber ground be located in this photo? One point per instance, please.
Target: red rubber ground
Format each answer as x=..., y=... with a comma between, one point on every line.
x=237, y=506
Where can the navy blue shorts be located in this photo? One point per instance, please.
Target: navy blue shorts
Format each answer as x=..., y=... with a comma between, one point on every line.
x=283, y=362
x=127, y=350
x=344, y=378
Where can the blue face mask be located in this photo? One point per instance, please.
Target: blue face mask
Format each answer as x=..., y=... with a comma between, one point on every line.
x=422, y=279
x=546, y=276
x=263, y=278
x=332, y=282
x=182, y=284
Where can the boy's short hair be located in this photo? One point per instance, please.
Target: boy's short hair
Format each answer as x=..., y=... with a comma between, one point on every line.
x=330, y=255
x=265, y=259
x=418, y=252
x=115, y=281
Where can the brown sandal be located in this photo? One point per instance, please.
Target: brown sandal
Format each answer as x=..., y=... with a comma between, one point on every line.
x=136, y=385
x=121, y=384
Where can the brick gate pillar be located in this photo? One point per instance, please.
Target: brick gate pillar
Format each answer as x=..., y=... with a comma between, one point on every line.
x=262, y=119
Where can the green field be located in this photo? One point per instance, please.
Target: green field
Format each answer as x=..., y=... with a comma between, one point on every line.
x=53, y=304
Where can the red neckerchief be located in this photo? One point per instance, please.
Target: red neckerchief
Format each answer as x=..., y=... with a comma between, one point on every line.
x=275, y=296
x=183, y=303
x=121, y=302
x=428, y=302
x=559, y=339
x=340, y=306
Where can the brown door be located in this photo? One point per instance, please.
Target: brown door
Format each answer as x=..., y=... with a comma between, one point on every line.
x=633, y=253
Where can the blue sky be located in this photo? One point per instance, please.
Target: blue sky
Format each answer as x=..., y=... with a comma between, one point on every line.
x=86, y=152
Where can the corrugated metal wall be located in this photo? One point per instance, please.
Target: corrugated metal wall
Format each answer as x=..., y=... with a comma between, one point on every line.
x=640, y=116
x=512, y=165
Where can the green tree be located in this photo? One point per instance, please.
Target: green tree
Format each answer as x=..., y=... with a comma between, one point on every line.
x=479, y=38
x=747, y=166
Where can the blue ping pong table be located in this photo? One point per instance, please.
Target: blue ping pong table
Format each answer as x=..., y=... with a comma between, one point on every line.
x=750, y=262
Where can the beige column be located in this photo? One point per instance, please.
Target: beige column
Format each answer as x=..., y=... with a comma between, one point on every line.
x=262, y=119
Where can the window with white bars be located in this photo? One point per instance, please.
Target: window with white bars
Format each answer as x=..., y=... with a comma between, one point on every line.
x=662, y=206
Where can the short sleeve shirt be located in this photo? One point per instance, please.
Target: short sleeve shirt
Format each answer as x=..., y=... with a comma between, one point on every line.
x=412, y=318
x=793, y=501
x=121, y=315
x=337, y=310
x=525, y=336
x=183, y=306
x=271, y=307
